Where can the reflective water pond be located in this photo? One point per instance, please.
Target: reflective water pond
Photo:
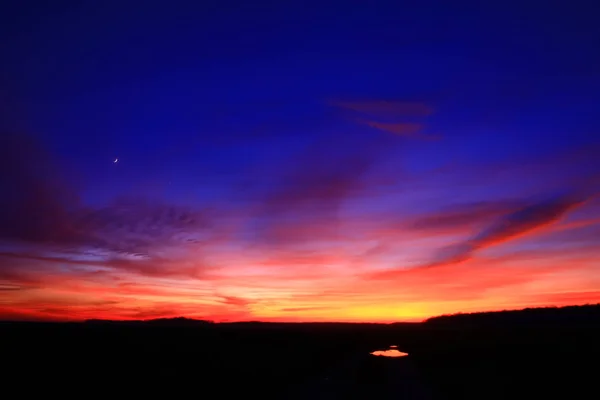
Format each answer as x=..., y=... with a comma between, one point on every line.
x=391, y=352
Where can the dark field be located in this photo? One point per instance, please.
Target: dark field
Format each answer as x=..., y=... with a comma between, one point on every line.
x=527, y=354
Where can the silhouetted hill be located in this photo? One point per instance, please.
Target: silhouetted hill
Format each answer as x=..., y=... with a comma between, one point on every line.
x=584, y=314
x=498, y=355
x=589, y=313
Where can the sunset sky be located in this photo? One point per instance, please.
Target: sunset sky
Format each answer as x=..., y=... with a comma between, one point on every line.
x=297, y=161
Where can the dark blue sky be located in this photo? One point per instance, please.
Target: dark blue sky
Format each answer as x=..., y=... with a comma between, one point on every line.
x=247, y=108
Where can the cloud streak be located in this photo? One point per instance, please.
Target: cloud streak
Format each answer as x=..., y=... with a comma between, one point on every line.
x=385, y=108
x=395, y=117
x=520, y=222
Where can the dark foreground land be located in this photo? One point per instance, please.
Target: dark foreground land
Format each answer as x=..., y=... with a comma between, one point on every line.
x=534, y=353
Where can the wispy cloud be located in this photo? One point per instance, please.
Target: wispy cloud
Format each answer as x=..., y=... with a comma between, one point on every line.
x=401, y=129
x=385, y=108
x=519, y=222
x=310, y=191
x=464, y=215
x=42, y=219
x=395, y=117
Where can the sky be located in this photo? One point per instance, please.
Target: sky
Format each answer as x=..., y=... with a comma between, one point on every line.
x=297, y=161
